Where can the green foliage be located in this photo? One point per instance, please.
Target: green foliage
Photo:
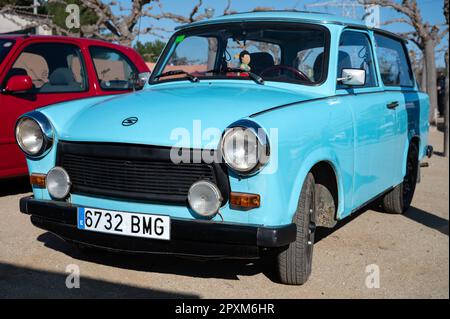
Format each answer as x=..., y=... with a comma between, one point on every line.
x=150, y=51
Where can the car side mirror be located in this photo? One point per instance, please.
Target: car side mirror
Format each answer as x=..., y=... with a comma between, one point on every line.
x=140, y=79
x=353, y=77
x=19, y=84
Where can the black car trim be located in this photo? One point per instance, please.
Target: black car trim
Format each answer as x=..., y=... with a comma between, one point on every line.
x=138, y=152
x=203, y=238
x=330, y=97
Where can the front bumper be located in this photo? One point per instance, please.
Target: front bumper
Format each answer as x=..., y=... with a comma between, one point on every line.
x=188, y=238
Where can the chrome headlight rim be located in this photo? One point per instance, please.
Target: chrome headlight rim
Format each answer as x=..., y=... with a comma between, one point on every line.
x=46, y=129
x=69, y=183
x=263, y=144
x=217, y=194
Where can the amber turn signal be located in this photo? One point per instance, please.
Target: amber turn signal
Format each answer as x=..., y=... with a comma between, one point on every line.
x=37, y=180
x=244, y=201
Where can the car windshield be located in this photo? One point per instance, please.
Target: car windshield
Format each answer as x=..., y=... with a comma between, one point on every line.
x=281, y=52
x=5, y=47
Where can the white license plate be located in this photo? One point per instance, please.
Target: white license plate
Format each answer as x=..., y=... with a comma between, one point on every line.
x=121, y=223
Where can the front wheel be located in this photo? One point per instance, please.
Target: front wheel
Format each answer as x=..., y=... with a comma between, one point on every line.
x=398, y=200
x=294, y=264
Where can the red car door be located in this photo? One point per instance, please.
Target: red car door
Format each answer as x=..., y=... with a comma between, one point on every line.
x=58, y=72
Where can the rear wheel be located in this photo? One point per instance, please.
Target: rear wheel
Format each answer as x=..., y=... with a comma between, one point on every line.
x=295, y=263
x=399, y=199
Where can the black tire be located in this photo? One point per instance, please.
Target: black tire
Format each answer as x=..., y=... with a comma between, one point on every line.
x=294, y=263
x=398, y=200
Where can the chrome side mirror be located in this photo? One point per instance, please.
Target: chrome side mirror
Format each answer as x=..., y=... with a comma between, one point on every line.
x=353, y=77
x=138, y=80
x=143, y=78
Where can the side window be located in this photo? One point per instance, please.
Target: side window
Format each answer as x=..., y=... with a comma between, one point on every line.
x=395, y=69
x=114, y=70
x=53, y=67
x=355, y=53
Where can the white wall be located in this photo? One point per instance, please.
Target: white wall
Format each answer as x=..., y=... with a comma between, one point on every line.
x=11, y=23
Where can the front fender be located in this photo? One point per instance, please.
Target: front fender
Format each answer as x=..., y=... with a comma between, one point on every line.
x=308, y=133
x=319, y=155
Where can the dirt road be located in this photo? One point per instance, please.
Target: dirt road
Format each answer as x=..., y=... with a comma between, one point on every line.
x=410, y=251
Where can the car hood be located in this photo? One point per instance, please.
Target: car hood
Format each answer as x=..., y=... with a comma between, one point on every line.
x=175, y=113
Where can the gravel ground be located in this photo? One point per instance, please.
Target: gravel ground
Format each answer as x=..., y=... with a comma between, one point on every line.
x=411, y=252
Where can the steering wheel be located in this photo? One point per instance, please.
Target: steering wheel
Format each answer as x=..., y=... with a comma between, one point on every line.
x=278, y=70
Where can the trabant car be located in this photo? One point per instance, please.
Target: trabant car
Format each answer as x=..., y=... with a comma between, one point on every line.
x=253, y=130
x=36, y=71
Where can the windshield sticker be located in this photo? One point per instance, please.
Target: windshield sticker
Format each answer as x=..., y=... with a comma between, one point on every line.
x=7, y=44
x=180, y=38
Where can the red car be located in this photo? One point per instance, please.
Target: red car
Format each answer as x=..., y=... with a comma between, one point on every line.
x=36, y=71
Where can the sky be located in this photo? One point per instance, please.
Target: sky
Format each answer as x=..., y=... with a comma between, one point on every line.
x=431, y=12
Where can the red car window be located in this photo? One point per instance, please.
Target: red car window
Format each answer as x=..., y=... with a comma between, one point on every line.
x=114, y=70
x=53, y=67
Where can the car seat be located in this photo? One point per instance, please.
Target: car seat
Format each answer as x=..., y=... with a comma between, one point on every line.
x=344, y=62
x=261, y=61
x=61, y=80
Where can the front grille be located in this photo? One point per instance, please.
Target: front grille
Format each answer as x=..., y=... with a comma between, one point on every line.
x=134, y=172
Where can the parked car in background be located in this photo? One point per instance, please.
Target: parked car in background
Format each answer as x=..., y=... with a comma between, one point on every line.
x=36, y=71
x=254, y=129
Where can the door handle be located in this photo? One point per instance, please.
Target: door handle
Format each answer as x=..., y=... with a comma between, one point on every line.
x=392, y=105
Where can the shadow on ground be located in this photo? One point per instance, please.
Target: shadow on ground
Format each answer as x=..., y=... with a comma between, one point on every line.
x=418, y=215
x=167, y=264
x=13, y=186
x=428, y=219
x=21, y=282
x=222, y=269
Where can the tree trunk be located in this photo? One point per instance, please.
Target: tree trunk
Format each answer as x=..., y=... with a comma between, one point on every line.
x=212, y=52
x=431, y=79
x=126, y=42
x=446, y=108
x=423, y=77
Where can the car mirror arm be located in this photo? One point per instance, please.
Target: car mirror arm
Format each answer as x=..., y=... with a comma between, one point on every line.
x=341, y=80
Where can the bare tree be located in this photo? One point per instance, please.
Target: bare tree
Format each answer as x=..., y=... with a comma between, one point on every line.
x=110, y=25
x=193, y=16
x=425, y=35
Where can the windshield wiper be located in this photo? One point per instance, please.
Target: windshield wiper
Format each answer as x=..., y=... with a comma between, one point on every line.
x=255, y=77
x=189, y=76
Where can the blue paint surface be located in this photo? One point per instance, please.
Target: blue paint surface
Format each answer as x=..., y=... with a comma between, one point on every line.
x=364, y=142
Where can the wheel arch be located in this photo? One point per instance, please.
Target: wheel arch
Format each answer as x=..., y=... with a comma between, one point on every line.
x=413, y=139
x=325, y=168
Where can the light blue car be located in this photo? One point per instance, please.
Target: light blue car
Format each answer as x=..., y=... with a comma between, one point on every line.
x=252, y=130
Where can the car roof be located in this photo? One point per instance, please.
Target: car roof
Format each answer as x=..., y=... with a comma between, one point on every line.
x=288, y=16
x=19, y=37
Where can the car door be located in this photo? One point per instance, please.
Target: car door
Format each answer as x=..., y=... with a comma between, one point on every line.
x=374, y=122
x=398, y=80
x=58, y=73
x=114, y=70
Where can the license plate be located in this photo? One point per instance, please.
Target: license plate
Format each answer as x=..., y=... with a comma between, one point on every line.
x=122, y=223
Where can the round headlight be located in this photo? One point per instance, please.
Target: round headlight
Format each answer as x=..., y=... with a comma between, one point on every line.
x=29, y=136
x=242, y=150
x=204, y=198
x=58, y=182
x=34, y=134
